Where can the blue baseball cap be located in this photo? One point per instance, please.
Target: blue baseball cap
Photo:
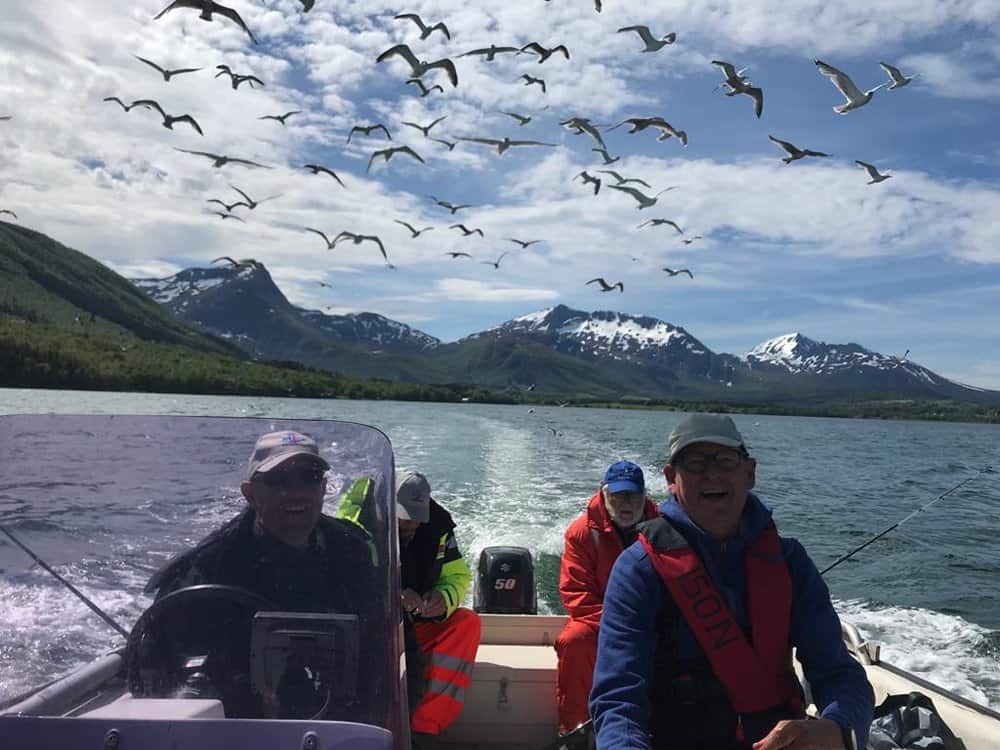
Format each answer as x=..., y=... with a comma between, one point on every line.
x=624, y=476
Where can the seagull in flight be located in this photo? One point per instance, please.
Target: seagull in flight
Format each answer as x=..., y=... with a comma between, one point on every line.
x=689, y=240
x=425, y=30
x=168, y=120
x=896, y=76
x=451, y=206
x=660, y=222
x=644, y=200
x=281, y=118
x=793, y=151
x=387, y=153
x=425, y=129
x=367, y=130
x=424, y=91
x=8, y=211
x=875, y=175
x=357, y=239
x=219, y=160
x=317, y=168
x=641, y=123
x=528, y=80
x=237, y=78
x=652, y=43
x=524, y=243
x=544, y=53
x=450, y=144
x=243, y=263
x=207, y=8
x=495, y=263
x=624, y=180
x=673, y=272
x=4, y=118
x=583, y=125
x=855, y=98
x=228, y=206
x=608, y=159
x=605, y=286
x=419, y=67
x=458, y=254
x=250, y=202
x=167, y=74
x=227, y=216
x=521, y=119
x=505, y=143
x=737, y=84
x=595, y=181
x=466, y=231
x=329, y=243
x=415, y=232
x=490, y=52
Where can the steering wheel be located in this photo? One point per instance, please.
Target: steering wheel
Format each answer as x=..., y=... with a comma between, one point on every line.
x=195, y=642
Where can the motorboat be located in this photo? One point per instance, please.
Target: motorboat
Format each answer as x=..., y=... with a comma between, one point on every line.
x=195, y=657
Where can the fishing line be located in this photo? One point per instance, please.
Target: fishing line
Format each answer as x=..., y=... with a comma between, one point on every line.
x=97, y=610
x=984, y=470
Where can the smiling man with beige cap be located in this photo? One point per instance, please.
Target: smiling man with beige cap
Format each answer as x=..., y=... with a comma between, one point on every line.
x=701, y=618
x=435, y=579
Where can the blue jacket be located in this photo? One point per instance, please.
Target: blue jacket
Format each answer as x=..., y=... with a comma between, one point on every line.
x=620, y=700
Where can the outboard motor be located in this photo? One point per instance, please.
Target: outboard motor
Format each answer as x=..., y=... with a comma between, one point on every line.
x=506, y=582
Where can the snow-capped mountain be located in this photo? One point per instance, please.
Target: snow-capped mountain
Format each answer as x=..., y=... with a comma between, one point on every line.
x=847, y=363
x=371, y=329
x=244, y=305
x=607, y=335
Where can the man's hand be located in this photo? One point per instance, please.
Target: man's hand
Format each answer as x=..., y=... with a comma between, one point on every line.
x=412, y=602
x=803, y=734
x=433, y=604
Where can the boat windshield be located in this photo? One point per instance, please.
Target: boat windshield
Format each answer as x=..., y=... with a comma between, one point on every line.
x=241, y=589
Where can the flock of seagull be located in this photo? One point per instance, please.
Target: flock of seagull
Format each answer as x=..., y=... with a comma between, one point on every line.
x=734, y=82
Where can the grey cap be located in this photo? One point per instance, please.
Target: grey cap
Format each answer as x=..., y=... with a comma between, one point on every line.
x=274, y=448
x=704, y=428
x=413, y=498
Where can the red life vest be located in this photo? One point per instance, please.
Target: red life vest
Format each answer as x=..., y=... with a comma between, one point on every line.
x=755, y=676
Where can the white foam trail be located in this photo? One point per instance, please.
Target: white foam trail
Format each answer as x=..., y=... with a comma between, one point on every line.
x=944, y=649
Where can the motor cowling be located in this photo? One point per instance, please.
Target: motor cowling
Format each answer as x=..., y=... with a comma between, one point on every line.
x=506, y=582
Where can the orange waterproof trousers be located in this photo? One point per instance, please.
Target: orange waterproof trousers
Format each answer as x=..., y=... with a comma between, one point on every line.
x=576, y=648
x=449, y=649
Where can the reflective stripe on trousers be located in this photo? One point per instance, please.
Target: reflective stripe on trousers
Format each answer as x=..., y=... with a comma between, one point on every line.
x=450, y=650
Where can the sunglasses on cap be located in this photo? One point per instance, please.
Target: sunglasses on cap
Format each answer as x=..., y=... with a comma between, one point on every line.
x=306, y=477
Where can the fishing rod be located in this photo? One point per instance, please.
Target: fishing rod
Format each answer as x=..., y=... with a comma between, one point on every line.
x=97, y=610
x=984, y=470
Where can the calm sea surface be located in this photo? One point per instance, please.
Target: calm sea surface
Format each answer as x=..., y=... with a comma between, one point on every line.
x=929, y=591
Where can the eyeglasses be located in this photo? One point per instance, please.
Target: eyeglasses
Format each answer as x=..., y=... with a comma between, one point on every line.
x=699, y=463
x=285, y=478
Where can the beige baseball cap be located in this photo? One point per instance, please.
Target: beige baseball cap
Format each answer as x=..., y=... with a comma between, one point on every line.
x=413, y=498
x=274, y=448
x=704, y=428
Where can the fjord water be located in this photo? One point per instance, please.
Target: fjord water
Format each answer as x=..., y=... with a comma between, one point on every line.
x=929, y=591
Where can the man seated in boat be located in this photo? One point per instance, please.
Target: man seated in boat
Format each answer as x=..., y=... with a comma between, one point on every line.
x=435, y=579
x=700, y=619
x=592, y=544
x=283, y=549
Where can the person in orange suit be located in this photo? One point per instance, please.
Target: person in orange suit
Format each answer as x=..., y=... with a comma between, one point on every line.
x=592, y=544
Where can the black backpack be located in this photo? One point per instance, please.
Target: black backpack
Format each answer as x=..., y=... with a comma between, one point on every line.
x=910, y=721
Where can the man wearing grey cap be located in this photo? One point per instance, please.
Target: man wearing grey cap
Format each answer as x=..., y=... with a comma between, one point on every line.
x=701, y=616
x=435, y=579
x=281, y=546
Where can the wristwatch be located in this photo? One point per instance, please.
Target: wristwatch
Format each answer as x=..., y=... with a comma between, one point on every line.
x=849, y=738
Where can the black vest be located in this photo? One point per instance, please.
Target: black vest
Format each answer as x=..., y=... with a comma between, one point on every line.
x=418, y=559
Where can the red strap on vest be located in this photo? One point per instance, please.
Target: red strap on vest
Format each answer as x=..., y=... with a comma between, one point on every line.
x=755, y=676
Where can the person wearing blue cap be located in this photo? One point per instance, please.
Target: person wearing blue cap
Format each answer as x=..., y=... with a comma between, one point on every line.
x=701, y=617
x=592, y=543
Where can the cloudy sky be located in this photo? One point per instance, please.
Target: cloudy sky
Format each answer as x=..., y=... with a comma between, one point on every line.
x=910, y=263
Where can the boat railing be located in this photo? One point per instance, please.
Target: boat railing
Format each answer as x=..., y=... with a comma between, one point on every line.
x=67, y=693
x=868, y=652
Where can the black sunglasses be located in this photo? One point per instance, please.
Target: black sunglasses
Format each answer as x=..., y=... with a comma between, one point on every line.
x=286, y=478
